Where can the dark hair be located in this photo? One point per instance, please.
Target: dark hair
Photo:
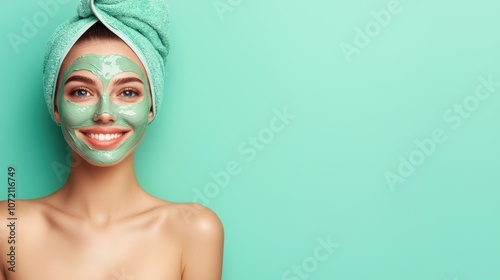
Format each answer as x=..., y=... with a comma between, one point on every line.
x=98, y=31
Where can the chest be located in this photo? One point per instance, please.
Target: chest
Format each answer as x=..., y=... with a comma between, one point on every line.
x=123, y=253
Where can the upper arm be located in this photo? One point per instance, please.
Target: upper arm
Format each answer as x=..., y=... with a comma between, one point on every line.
x=203, y=246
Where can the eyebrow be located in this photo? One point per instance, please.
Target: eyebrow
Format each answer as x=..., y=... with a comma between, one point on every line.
x=121, y=81
x=82, y=79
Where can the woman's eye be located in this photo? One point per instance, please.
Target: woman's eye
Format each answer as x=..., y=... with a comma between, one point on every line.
x=80, y=93
x=129, y=93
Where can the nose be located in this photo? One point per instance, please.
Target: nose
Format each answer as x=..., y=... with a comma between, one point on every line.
x=104, y=112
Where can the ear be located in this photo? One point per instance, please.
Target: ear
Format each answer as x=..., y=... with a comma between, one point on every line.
x=57, y=116
x=150, y=115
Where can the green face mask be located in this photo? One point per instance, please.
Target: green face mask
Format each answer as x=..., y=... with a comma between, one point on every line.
x=104, y=143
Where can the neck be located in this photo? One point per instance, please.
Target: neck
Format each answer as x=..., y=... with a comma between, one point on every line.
x=101, y=194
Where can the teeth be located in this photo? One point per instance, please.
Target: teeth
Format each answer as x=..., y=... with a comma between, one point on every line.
x=104, y=137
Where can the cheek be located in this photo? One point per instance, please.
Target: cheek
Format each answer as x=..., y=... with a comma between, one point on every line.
x=136, y=115
x=75, y=115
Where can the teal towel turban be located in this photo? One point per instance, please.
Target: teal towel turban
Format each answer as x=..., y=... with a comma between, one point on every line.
x=141, y=24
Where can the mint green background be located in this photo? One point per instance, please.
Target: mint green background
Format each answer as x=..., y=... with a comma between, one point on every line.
x=324, y=174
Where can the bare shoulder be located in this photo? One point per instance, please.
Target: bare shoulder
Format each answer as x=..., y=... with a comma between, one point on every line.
x=195, y=226
x=27, y=210
x=201, y=234
x=12, y=212
x=20, y=208
x=193, y=218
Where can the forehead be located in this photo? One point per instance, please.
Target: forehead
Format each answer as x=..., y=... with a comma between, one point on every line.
x=102, y=48
x=104, y=67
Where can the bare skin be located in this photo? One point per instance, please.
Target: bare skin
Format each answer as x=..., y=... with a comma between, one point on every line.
x=102, y=225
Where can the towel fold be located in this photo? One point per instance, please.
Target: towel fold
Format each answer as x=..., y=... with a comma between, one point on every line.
x=141, y=24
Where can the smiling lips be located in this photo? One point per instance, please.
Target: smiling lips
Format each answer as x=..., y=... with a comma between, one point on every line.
x=104, y=138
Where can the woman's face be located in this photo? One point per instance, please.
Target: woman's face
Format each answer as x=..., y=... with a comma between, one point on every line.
x=103, y=101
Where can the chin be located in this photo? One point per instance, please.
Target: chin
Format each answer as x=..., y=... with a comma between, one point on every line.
x=107, y=164
x=82, y=157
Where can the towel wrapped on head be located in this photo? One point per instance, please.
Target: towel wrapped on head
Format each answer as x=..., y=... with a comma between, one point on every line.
x=141, y=24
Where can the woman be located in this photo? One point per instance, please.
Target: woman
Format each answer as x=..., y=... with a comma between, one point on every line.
x=101, y=224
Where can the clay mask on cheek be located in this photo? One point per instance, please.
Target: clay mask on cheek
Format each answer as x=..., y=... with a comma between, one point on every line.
x=97, y=142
